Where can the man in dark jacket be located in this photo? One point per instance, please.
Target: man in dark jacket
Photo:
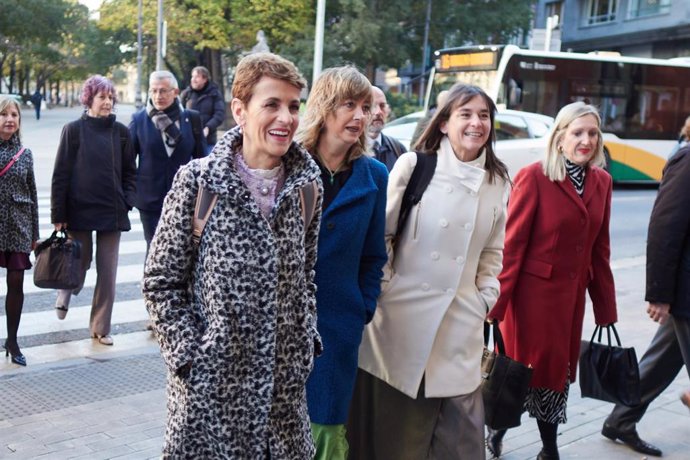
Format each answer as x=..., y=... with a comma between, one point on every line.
x=668, y=294
x=37, y=99
x=164, y=137
x=204, y=96
x=386, y=149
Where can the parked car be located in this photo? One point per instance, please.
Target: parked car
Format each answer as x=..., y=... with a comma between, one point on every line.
x=521, y=137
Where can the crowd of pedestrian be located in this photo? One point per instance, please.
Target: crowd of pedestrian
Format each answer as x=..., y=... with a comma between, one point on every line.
x=318, y=292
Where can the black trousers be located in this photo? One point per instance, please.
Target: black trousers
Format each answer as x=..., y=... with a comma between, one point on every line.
x=659, y=366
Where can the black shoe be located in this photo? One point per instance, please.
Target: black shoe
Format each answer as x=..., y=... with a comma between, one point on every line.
x=17, y=356
x=494, y=442
x=630, y=439
x=545, y=455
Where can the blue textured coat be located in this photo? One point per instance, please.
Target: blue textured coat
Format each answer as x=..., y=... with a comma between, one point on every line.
x=351, y=255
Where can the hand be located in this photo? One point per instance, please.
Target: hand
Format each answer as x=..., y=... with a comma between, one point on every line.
x=659, y=312
x=206, y=131
x=60, y=226
x=34, y=244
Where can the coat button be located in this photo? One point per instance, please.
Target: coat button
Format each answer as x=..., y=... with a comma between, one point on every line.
x=425, y=286
x=449, y=291
x=473, y=193
x=246, y=196
x=571, y=275
x=435, y=255
x=330, y=225
x=459, y=260
x=468, y=226
x=443, y=223
x=449, y=189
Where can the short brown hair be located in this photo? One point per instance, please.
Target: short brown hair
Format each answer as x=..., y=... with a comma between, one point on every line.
x=253, y=67
x=332, y=88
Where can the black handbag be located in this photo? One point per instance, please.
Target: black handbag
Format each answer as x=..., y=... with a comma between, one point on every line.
x=608, y=372
x=58, y=262
x=504, y=383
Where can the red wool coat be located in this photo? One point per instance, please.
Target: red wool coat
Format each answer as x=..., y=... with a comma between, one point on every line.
x=557, y=246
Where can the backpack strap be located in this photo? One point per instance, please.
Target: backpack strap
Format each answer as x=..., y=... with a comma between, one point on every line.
x=307, y=196
x=205, y=202
x=419, y=181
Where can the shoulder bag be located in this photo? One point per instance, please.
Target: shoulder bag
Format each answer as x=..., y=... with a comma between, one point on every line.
x=58, y=262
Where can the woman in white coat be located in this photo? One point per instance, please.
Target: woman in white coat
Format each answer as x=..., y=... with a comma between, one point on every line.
x=420, y=357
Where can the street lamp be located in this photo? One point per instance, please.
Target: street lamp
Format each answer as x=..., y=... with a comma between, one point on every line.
x=425, y=53
x=318, y=39
x=137, y=97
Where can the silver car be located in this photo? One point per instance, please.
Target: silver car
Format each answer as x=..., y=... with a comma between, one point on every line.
x=521, y=137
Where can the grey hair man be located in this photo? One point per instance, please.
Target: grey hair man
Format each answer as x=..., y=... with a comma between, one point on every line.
x=165, y=136
x=386, y=149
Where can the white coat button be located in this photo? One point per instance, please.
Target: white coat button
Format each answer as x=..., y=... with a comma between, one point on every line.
x=435, y=255
x=468, y=226
x=473, y=193
x=449, y=189
x=425, y=286
x=449, y=291
x=443, y=223
x=459, y=260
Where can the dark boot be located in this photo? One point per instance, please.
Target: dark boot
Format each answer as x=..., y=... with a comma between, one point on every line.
x=494, y=442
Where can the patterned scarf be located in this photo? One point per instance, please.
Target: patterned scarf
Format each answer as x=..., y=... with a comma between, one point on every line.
x=165, y=121
x=576, y=173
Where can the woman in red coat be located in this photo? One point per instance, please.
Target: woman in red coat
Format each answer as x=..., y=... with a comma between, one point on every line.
x=556, y=247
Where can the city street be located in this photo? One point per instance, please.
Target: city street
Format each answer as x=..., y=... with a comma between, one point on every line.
x=79, y=399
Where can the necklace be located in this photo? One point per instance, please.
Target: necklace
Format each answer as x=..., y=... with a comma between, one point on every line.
x=331, y=173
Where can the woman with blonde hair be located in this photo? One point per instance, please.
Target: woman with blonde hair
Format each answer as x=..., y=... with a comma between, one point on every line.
x=556, y=249
x=18, y=218
x=351, y=246
x=418, y=393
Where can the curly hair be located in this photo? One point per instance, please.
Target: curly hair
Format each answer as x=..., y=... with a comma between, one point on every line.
x=332, y=88
x=94, y=85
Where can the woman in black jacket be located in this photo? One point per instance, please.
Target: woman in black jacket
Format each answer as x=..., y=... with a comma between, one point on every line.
x=93, y=189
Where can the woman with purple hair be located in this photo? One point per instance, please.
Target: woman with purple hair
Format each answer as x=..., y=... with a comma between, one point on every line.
x=93, y=189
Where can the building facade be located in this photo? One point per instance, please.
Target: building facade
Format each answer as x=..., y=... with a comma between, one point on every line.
x=643, y=28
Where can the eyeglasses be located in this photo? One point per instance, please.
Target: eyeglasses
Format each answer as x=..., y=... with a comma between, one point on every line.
x=161, y=91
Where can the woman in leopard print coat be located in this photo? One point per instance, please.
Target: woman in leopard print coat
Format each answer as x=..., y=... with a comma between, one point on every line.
x=236, y=317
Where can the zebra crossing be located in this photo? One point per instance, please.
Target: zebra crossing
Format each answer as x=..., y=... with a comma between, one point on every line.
x=44, y=339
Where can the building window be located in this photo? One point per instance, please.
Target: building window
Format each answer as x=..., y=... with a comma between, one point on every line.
x=555, y=9
x=648, y=7
x=602, y=11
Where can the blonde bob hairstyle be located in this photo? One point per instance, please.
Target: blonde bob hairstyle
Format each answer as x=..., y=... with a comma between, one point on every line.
x=554, y=162
x=333, y=87
x=6, y=102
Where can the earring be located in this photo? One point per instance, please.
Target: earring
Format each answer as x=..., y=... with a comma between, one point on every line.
x=560, y=149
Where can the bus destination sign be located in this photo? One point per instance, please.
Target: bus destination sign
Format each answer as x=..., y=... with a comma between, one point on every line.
x=481, y=60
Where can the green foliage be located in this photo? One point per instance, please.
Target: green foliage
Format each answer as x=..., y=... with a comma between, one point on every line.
x=401, y=105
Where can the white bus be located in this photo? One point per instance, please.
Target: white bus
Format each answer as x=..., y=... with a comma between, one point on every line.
x=643, y=102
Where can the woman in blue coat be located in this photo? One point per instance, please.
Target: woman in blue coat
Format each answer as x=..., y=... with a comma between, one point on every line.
x=351, y=249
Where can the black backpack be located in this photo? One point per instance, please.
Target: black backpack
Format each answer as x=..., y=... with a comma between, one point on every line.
x=419, y=181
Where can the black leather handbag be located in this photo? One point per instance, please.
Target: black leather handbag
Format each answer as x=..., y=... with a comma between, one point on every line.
x=609, y=372
x=58, y=262
x=504, y=384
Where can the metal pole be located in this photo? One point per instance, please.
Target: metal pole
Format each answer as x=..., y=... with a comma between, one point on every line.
x=137, y=96
x=425, y=53
x=159, y=32
x=318, y=39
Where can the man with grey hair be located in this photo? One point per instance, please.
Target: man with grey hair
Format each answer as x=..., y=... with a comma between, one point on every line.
x=165, y=136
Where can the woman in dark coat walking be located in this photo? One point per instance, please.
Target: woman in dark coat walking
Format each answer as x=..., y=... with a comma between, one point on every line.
x=352, y=250
x=93, y=189
x=18, y=219
x=235, y=316
x=556, y=249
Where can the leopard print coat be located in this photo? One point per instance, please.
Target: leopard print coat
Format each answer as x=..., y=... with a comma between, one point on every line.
x=241, y=310
x=18, y=200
